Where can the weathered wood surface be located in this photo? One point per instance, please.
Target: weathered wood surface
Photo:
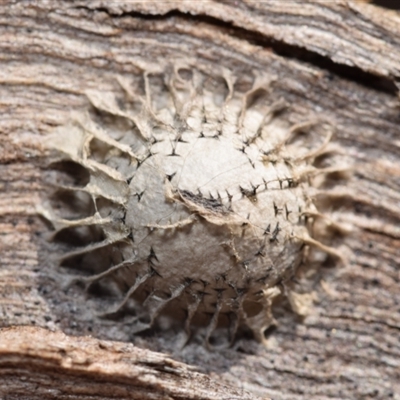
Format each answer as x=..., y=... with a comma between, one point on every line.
x=35, y=363
x=338, y=59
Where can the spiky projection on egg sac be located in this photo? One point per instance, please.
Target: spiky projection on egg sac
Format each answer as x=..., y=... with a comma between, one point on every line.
x=198, y=200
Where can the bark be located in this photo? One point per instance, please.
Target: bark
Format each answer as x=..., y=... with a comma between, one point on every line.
x=35, y=363
x=337, y=59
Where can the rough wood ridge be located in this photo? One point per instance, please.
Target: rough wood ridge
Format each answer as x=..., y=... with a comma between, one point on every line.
x=35, y=363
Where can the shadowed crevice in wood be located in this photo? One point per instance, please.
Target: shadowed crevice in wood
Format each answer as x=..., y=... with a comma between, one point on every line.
x=298, y=53
x=391, y=4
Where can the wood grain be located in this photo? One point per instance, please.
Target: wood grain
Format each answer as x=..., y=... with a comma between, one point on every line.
x=336, y=59
x=38, y=364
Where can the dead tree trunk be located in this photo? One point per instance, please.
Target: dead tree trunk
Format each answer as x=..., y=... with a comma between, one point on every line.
x=337, y=59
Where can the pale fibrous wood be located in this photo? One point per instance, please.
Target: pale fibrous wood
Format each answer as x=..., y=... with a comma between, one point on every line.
x=38, y=364
x=335, y=60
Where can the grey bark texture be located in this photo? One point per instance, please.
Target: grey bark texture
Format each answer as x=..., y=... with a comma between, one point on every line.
x=339, y=59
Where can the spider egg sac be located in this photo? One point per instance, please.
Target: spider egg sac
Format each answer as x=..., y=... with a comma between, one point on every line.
x=190, y=198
